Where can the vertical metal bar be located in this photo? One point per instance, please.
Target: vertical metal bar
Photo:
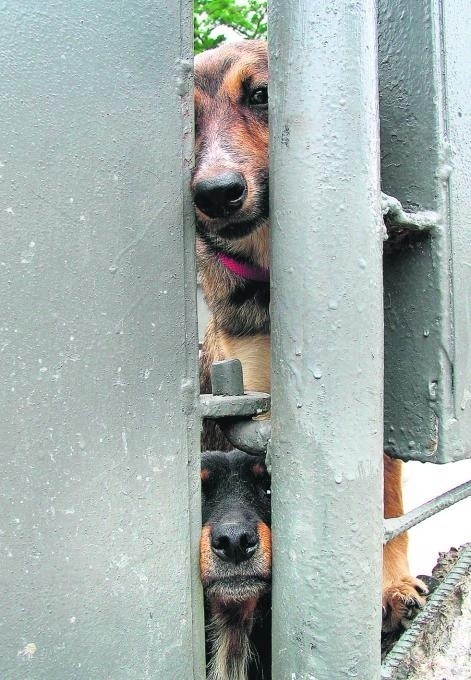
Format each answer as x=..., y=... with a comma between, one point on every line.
x=426, y=164
x=326, y=449
x=98, y=363
x=455, y=50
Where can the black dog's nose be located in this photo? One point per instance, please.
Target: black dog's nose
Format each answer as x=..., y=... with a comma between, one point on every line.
x=221, y=195
x=234, y=542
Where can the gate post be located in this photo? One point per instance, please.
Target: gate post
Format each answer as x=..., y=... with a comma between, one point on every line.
x=327, y=340
x=99, y=492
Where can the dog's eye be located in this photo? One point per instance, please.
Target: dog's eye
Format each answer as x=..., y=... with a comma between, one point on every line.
x=259, y=97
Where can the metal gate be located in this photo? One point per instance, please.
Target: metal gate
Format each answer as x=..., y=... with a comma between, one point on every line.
x=100, y=408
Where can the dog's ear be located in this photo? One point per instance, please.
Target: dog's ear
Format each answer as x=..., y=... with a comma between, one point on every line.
x=258, y=470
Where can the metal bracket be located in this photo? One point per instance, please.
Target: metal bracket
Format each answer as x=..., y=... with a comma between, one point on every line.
x=229, y=399
x=398, y=218
x=251, y=436
x=248, y=404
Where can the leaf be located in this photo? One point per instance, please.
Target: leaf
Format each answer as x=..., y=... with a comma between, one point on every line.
x=215, y=19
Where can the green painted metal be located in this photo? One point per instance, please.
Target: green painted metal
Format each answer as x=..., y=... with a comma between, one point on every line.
x=327, y=378
x=415, y=221
x=244, y=433
x=248, y=404
x=425, y=110
x=99, y=491
x=251, y=436
x=100, y=412
x=227, y=378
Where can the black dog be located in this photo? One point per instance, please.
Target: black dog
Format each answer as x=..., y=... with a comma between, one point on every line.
x=235, y=562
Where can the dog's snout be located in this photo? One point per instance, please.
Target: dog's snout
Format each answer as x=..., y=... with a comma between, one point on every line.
x=234, y=542
x=221, y=195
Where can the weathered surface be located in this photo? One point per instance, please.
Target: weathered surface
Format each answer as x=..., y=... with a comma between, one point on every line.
x=98, y=369
x=425, y=108
x=327, y=235
x=248, y=404
x=437, y=646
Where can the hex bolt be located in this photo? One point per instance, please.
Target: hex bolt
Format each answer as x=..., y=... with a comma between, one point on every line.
x=226, y=378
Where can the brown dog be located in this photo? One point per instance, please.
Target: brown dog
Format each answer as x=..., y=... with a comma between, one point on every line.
x=230, y=191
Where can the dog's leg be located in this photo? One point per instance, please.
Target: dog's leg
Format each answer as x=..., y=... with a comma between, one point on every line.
x=402, y=593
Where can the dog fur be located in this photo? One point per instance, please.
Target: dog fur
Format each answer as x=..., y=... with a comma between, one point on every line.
x=235, y=493
x=232, y=137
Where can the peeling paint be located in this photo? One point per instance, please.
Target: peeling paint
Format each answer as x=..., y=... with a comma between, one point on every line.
x=28, y=651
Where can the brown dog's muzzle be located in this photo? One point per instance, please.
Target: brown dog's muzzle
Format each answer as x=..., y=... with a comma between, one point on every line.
x=231, y=551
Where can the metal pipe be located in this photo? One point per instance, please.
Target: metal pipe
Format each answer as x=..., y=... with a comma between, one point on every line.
x=397, y=525
x=327, y=376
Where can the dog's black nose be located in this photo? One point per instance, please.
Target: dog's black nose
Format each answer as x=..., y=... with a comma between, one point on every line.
x=220, y=196
x=234, y=542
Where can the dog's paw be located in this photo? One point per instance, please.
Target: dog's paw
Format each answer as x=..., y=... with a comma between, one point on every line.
x=401, y=600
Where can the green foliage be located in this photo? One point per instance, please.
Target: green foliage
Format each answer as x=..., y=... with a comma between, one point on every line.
x=247, y=18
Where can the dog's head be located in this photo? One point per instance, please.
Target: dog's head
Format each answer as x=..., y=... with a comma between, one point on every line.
x=230, y=179
x=235, y=549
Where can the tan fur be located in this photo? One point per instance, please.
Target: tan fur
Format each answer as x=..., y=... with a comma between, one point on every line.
x=242, y=70
x=258, y=470
x=401, y=591
x=206, y=555
x=254, y=354
x=222, y=117
x=264, y=534
x=256, y=246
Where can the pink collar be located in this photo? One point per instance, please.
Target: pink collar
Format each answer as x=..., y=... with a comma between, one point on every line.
x=245, y=271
